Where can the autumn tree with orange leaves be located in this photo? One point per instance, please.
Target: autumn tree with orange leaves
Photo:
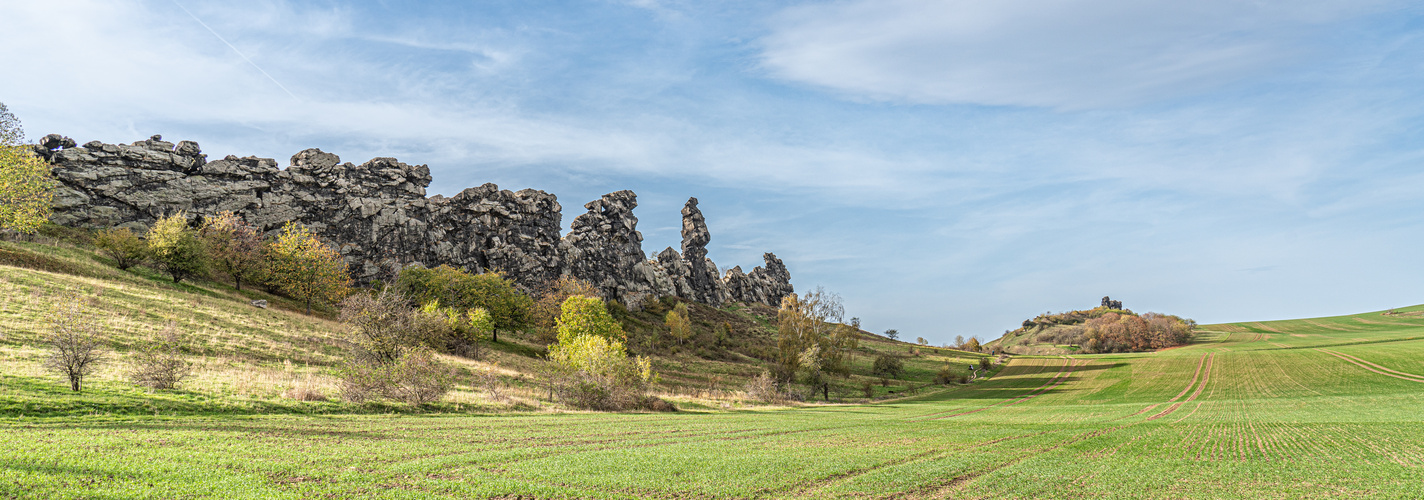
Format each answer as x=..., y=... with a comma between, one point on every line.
x=234, y=246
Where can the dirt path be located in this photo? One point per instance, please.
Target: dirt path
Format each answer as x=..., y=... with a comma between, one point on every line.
x=1205, y=377
x=1374, y=367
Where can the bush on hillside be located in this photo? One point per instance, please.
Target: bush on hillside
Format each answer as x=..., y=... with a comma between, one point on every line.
x=234, y=246
x=589, y=366
x=74, y=339
x=383, y=327
x=122, y=245
x=158, y=362
x=416, y=378
x=545, y=311
x=887, y=365
x=509, y=309
x=176, y=248
x=305, y=268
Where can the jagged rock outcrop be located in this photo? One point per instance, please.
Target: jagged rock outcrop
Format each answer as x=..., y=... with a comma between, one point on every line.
x=702, y=273
x=377, y=215
x=605, y=248
x=766, y=285
x=1112, y=304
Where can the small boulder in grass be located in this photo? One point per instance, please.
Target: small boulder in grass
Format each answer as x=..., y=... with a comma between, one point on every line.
x=260, y=303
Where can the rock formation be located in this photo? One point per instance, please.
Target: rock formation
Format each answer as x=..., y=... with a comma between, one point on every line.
x=377, y=215
x=1112, y=304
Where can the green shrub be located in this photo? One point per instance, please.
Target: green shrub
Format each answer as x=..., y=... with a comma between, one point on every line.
x=888, y=366
x=509, y=308
x=176, y=248
x=417, y=377
x=122, y=245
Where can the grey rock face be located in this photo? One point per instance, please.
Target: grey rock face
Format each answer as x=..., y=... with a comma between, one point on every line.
x=1112, y=304
x=766, y=285
x=377, y=215
x=605, y=248
x=702, y=275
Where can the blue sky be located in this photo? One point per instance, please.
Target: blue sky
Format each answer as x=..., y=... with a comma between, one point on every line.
x=949, y=168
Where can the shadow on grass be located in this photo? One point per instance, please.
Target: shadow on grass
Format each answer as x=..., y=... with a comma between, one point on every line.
x=35, y=397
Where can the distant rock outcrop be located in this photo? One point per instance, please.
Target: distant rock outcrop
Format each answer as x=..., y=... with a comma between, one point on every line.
x=377, y=215
x=1112, y=304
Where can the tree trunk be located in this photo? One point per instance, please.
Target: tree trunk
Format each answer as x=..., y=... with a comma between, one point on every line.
x=308, y=306
x=237, y=281
x=826, y=392
x=495, y=333
x=74, y=383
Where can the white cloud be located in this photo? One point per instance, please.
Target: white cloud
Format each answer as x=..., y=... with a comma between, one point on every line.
x=1063, y=54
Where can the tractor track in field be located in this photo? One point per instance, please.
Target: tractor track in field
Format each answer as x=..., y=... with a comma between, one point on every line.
x=1200, y=363
x=809, y=488
x=1205, y=377
x=947, y=489
x=1063, y=374
x=1374, y=367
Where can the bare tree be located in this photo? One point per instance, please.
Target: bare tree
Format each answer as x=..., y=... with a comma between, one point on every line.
x=158, y=362
x=74, y=339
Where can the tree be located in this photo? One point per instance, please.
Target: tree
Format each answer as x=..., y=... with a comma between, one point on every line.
x=235, y=246
x=74, y=339
x=26, y=184
x=591, y=366
x=158, y=362
x=971, y=345
x=887, y=366
x=122, y=245
x=383, y=326
x=892, y=334
x=813, y=319
x=580, y=315
x=922, y=341
x=176, y=248
x=679, y=326
x=509, y=309
x=958, y=341
x=304, y=268
x=551, y=298
x=812, y=374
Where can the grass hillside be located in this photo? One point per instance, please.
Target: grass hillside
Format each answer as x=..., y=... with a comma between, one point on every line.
x=1310, y=408
x=255, y=361
x=1313, y=408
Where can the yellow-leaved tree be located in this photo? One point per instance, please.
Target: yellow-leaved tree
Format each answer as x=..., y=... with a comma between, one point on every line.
x=809, y=329
x=176, y=248
x=306, y=269
x=26, y=184
x=678, y=323
x=591, y=367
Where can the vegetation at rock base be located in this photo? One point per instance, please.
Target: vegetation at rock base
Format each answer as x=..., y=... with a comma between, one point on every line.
x=26, y=185
x=176, y=248
x=122, y=245
x=234, y=246
x=508, y=308
x=306, y=268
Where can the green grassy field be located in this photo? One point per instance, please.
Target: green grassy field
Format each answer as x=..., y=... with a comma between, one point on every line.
x=1317, y=408
x=1286, y=409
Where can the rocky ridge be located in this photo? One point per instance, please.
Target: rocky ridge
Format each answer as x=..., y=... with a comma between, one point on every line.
x=378, y=216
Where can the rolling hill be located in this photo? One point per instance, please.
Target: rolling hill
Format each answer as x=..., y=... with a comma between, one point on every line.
x=1310, y=408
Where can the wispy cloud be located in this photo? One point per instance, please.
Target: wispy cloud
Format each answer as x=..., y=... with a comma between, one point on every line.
x=1062, y=54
